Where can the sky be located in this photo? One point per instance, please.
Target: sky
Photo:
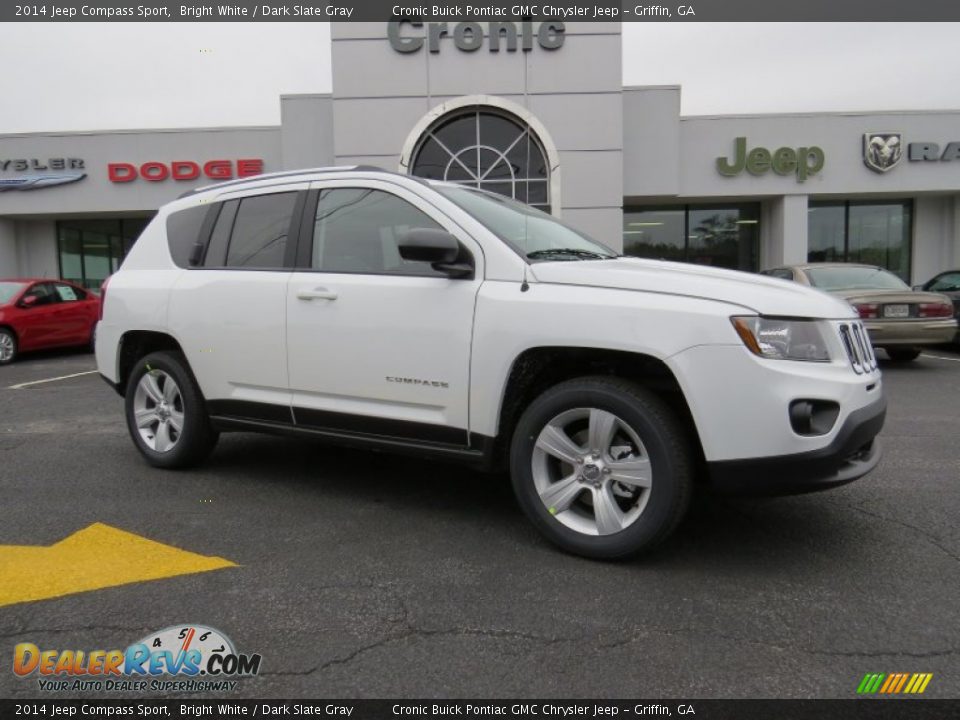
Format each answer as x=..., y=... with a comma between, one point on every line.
x=98, y=76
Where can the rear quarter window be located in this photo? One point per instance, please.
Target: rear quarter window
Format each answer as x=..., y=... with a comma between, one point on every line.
x=183, y=231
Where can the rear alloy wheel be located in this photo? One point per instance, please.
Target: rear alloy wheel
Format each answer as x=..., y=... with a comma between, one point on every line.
x=8, y=347
x=165, y=412
x=901, y=355
x=601, y=467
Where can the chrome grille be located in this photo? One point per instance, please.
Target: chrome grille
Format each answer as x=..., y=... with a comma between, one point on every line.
x=856, y=342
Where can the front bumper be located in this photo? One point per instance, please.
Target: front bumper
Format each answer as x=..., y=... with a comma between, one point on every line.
x=854, y=451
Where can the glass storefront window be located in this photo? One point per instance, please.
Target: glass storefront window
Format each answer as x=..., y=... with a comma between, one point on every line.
x=71, y=264
x=873, y=233
x=724, y=236
x=655, y=233
x=90, y=250
x=825, y=232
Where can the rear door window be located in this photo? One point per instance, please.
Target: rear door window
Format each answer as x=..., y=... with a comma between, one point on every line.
x=260, y=231
x=220, y=237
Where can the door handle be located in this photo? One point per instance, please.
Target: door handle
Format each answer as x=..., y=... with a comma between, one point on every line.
x=318, y=293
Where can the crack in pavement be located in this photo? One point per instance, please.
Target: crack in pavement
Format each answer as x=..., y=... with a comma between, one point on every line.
x=417, y=632
x=548, y=641
x=410, y=630
x=786, y=648
x=926, y=535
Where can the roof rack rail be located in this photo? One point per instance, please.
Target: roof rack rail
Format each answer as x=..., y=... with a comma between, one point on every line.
x=282, y=174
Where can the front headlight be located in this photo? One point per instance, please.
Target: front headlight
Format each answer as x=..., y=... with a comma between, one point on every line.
x=782, y=339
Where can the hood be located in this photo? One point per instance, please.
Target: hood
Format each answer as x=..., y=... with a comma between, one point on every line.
x=756, y=293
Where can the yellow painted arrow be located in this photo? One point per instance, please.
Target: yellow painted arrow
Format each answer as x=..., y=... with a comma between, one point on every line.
x=96, y=557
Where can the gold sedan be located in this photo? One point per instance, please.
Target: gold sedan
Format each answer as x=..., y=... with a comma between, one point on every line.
x=899, y=320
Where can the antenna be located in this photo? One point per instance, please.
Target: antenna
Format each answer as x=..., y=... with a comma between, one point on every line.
x=524, y=286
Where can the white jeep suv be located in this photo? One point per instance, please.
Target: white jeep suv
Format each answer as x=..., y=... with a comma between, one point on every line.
x=384, y=311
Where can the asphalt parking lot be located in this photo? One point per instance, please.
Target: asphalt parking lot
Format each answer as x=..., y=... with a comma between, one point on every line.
x=368, y=575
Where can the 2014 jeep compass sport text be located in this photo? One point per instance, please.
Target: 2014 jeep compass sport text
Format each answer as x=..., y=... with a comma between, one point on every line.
x=384, y=311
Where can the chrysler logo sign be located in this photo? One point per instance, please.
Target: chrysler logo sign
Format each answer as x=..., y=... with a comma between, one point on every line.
x=882, y=151
x=34, y=182
x=34, y=173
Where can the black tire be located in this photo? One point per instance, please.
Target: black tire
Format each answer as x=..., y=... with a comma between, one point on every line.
x=903, y=355
x=656, y=426
x=197, y=438
x=8, y=336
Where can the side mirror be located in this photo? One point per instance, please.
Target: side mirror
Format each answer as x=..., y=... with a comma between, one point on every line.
x=918, y=287
x=28, y=301
x=429, y=245
x=437, y=247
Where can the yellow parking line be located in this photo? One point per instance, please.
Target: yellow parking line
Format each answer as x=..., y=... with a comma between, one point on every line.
x=20, y=386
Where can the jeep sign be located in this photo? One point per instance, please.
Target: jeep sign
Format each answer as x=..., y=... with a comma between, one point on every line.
x=801, y=162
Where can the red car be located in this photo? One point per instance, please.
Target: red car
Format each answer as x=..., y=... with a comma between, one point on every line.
x=41, y=313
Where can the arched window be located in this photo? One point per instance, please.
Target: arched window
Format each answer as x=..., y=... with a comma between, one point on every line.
x=486, y=148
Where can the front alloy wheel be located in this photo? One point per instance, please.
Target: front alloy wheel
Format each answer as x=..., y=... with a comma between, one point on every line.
x=591, y=471
x=601, y=466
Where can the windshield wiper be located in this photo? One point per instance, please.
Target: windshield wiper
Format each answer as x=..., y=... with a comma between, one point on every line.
x=571, y=253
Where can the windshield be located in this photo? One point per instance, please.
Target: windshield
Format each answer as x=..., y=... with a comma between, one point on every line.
x=854, y=278
x=530, y=232
x=8, y=290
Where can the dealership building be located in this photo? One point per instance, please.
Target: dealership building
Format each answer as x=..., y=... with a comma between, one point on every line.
x=537, y=111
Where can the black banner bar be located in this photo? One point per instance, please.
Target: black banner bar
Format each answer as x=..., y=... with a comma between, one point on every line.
x=482, y=10
x=873, y=708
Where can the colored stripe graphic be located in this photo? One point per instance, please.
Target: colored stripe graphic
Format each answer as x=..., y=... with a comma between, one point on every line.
x=903, y=679
x=891, y=681
x=871, y=683
x=894, y=683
